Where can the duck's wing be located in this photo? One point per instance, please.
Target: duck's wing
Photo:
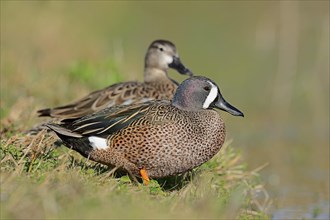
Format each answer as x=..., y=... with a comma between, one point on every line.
x=110, y=120
x=117, y=94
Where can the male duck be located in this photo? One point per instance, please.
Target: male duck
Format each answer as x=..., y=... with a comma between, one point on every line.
x=156, y=138
x=161, y=56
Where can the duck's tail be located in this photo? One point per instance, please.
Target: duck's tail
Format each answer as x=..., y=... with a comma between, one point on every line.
x=72, y=140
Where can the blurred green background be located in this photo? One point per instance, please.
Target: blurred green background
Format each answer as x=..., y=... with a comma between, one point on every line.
x=270, y=58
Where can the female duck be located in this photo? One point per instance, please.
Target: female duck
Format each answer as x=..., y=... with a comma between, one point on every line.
x=161, y=56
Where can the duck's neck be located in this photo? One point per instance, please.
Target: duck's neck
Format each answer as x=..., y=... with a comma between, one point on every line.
x=155, y=75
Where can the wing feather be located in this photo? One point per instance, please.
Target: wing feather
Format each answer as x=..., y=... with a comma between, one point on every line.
x=108, y=97
x=108, y=121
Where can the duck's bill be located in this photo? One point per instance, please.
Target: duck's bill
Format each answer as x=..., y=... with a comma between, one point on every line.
x=178, y=66
x=225, y=106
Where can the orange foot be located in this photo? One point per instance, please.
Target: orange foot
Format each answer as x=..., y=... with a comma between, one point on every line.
x=145, y=177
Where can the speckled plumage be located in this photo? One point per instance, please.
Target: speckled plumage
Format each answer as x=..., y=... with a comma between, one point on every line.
x=161, y=56
x=160, y=137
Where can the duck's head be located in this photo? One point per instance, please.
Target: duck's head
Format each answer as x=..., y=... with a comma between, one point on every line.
x=197, y=93
x=162, y=55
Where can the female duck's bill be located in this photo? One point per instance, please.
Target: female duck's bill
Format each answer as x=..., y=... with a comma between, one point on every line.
x=178, y=66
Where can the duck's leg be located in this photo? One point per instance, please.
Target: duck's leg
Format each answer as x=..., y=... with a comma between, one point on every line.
x=132, y=168
x=145, y=177
x=118, y=159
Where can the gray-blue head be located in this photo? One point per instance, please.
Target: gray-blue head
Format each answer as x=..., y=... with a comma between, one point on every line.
x=198, y=93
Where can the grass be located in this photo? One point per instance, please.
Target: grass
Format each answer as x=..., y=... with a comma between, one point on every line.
x=42, y=180
x=49, y=57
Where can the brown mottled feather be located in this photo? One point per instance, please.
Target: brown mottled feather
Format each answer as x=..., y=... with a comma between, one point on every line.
x=161, y=55
x=178, y=140
x=117, y=94
x=162, y=138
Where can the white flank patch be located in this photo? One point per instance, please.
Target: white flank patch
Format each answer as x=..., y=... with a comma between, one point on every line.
x=98, y=143
x=211, y=96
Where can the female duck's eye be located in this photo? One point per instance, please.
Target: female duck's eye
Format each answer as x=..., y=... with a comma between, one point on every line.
x=161, y=49
x=207, y=88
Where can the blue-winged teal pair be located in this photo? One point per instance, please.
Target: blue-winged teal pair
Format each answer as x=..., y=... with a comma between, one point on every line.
x=156, y=138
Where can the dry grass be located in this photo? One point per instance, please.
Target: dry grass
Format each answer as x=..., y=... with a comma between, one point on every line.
x=42, y=180
x=270, y=58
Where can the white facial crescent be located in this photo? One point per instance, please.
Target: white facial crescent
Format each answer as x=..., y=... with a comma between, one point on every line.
x=211, y=96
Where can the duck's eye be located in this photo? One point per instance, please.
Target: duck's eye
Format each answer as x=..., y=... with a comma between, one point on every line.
x=161, y=49
x=206, y=88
